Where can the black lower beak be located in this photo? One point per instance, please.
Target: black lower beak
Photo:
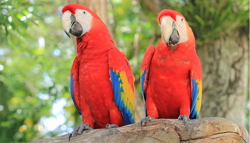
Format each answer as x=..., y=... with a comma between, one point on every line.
x=174, y=37
x=67, y=33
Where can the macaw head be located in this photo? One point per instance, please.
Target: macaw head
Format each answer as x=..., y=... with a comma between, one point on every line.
x=174, y=27
x=78, y=20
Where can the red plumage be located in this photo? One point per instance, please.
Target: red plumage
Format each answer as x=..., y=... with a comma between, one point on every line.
x=97, y=54
x=167, y=73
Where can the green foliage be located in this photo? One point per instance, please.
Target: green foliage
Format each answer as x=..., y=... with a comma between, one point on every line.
x=213, y=19
x=36, y=56
x=35, y=63
x=16, y=16
x=14, y=118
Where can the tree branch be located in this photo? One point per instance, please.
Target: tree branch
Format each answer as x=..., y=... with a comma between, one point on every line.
x=164, y=130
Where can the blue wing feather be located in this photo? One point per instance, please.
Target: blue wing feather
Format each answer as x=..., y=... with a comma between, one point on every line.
x=195, y=90
x=118, y=90
x=142, y=85
x=143, y=75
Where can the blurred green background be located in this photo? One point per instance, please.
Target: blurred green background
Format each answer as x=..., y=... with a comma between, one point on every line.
x=36, y=57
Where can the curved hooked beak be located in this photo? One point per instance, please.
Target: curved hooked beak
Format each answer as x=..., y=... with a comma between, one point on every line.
x=169, y=32
x=70, y=25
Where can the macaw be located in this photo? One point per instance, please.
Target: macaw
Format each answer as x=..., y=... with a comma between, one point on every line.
x=102, y=81
x=171, y=74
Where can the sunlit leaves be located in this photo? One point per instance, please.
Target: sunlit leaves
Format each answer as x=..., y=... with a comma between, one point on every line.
x=36, y=55
x=35, y=67
x=16, y=16
x=212, y=19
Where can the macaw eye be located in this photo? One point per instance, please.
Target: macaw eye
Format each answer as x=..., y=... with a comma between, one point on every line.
x=84, y=12
x=182, y=19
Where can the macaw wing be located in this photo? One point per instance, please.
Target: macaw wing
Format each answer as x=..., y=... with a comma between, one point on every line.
x=74, y=85
x=122, y=80
x=145, y=69
x=196, y=90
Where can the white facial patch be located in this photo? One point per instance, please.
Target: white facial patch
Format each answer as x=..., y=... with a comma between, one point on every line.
x=166, y=26
x=181, y=28
x=85, y=19
x=66, y=23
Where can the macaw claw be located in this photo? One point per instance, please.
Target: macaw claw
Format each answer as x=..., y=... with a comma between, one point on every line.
x=145, y=119
x=109, y=126
x=79, y=129
x=184, y=118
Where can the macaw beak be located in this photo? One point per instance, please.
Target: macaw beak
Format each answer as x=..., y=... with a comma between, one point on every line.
x=71, y=25
x=169, y=32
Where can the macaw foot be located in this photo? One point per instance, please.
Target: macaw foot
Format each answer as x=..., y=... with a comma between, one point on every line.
x=79, y=129
x=184, y=118
x=144, y=120
x=109, y=126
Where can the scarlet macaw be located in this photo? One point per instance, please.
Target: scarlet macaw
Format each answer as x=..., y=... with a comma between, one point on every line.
x=102, y=81
x=171, y=74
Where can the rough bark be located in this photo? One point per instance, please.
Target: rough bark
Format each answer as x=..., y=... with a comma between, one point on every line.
x=207, y=130
x=225, y=72
x=154, y=6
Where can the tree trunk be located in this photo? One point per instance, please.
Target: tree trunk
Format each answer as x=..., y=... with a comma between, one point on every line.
x=225, y=77
x=225, y=72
